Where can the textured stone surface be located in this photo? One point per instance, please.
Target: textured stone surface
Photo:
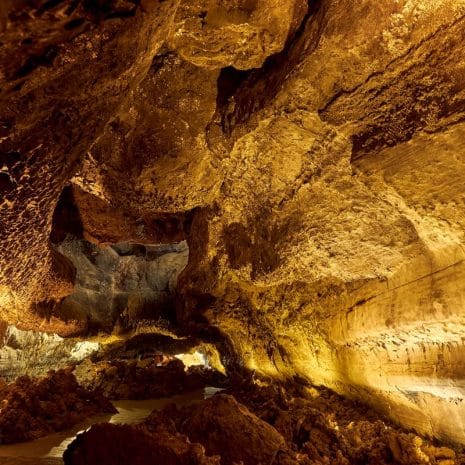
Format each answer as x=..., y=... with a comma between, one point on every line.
x=221, y=418
x=34, y=353
x=313, y=161
x=239, y=33
x=147, y=378
x=124, y=283
x=135, y=446
x=273, y=429
x=35, y=407
x=336, y=252
x=67, y=67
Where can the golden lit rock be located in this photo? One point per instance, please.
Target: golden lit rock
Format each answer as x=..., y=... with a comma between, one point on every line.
x=310, y=153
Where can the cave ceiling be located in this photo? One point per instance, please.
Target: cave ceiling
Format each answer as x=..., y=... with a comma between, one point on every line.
x=311, y=153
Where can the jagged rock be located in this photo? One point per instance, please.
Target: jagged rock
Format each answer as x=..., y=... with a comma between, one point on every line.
x=311, y=154
x=123, y=284
x=228, y=429
x=148, y=378
x=133, y=446
x=328, y=429
x=34, y=353
x=239, y=33
x=278, y=427
x=50, y=120
x=35, y=407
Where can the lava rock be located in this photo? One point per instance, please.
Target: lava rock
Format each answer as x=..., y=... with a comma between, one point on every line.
x=145, y=379
x=35, y=407
x=107, y=444
x=227, y=428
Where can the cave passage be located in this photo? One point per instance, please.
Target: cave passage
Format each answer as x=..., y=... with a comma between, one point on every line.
x=257, y=204
x=123, y=285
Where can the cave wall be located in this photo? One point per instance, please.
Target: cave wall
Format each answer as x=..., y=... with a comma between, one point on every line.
x=311, y=153
x=124, y=284
x=66, y=69
x=35, y=353
x=336, y=250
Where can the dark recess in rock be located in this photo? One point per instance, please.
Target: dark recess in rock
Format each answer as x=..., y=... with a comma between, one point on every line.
x=66, y=218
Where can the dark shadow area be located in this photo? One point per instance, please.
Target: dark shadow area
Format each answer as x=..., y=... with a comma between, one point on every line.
x=66, y=218
x=252, y=90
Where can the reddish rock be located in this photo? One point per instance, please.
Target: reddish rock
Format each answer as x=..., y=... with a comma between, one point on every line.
x=145, y=379
x=227, y=428
x=107, y=444
x=279, y=428
x=35, y=407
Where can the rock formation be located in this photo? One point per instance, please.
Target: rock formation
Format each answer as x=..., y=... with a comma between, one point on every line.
x=134, y=446
x=124, y=283
x=309, y=152
x=284, y=432
x=34, y=353
x=144, y=379
x=31, y=408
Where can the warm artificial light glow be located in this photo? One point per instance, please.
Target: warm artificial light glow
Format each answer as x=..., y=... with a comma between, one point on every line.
x=194, y=359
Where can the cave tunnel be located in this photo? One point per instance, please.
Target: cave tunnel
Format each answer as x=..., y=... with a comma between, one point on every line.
x=232, y=232
x=118, y=286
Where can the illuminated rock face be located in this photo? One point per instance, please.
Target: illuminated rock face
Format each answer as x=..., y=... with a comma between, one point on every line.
x=313, y=159
x=66, y=70
x=34, y=353
x=337, y=250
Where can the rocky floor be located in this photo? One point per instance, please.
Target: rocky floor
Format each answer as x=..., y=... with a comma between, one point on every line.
x=253, y=421
x=145, y=379
x=252, y=425
x=34, y=407
x=143, y=366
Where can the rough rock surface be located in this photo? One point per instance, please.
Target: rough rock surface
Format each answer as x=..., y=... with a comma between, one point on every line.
x=148, y=378
x=34, y=353
x=123, y=283
x=334, y=249
x=98, y=53
x=133, y=446
x=313, y=160
x=273, y=429
x=322, y=427
x=219, y=419
x=35, y=407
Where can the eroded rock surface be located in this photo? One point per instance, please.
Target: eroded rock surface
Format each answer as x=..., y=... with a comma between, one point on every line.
x=35, y=407
x=148, y=378
x=134, y=446
x=34, y=353
x=273, y=429
x=311, y=155
x=123, y=283
x=98, y=53
x=331, y=253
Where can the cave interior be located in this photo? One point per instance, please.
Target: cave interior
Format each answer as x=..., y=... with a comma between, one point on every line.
x=232, y=232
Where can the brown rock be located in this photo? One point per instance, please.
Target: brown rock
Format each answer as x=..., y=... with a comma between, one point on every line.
x=320, y=194
x=226, y=428
x=32, y=408
x=107, y=444
x=119, y=379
